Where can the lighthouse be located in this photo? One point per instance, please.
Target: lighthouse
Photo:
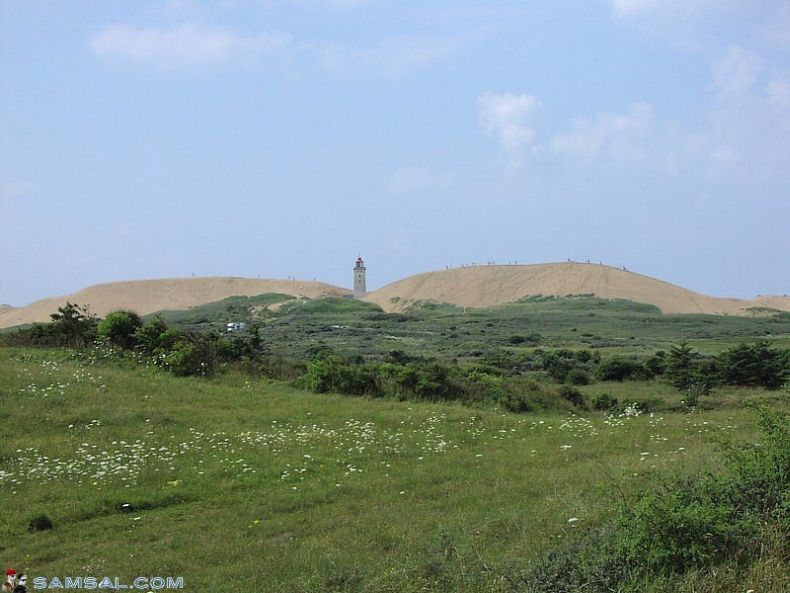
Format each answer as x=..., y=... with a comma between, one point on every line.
x=359, y=279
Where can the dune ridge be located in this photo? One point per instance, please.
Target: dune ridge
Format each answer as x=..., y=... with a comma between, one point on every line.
x=149, y=296
x=489, y=285
x=476, y=286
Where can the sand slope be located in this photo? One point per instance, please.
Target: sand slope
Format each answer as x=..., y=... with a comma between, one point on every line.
x=148, y=296
x=484, y=286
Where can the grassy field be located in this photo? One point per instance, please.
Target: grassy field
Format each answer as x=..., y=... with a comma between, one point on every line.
x=256, y=486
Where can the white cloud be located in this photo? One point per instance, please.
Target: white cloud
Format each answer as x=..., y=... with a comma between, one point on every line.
x=737, y=71
x=391, y=55
x=635, y=8
x=619, y=137
x=181, y=45
x=750, y=123
x=509, y=118
x=409, y=180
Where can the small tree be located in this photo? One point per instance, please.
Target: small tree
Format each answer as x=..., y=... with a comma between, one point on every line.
x=681, y=366
x=73, y=325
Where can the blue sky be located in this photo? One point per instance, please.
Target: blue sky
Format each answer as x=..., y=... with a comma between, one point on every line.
x=285, y=137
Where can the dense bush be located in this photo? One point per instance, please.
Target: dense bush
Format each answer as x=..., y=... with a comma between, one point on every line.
x=622, y=369
x=72, y=326
x=604, y=401
x=155, y=338
x=190, y=357
x=558, y=364
x=578, y=376
x=755, y=364
x=574, y=396
x=119, y=328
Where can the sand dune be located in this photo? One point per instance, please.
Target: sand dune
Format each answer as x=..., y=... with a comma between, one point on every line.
x=148, y=296
x=483, y=286
x=479, y=286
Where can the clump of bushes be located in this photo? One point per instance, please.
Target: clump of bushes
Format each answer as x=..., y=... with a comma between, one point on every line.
x=749, y=365
x=73, y=326
x=622, y=369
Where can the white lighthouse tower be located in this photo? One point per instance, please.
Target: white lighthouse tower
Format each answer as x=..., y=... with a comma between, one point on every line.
x=359, y=279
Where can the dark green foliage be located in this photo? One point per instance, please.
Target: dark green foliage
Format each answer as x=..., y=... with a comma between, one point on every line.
x=72, y=326
x=40, y=523
x=622, y=369
x=657, y=363
x=752, y=365
x=559, y=363
x=577, y=376
x=681, y=366
x=605, y=402
x=755, y=364
x=574, y=396
x=332, y=373
x=119, y=328
x=190, y=357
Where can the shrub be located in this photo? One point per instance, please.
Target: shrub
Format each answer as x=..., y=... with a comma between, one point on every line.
x=604, y=401
x=191, y=357
x=119, y=328
x=40, y=523
x=574, y=396
x=155, y=337
x=332, y=373
x=577, y=377
x=73, y=326
x=755, y=364
x=620, y=369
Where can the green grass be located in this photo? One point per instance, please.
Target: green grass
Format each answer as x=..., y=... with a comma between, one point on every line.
x=215, y=315
x=257, y=486
x=445, y=331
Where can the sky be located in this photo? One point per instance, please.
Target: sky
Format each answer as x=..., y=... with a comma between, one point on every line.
x=284, y=138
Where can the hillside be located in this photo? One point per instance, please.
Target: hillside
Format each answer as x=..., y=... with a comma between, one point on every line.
x=485, y=286
x=148, y=296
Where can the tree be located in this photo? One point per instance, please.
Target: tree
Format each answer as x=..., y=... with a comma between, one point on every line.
x=74, y=325
x=681, y=366
x=754, y=364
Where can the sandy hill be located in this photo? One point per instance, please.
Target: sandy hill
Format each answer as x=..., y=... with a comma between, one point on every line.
x=148, y=296
x=483, y=286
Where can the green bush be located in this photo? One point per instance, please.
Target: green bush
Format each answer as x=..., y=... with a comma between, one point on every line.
x=578, y=377
x=574, y=396
x=155, y=337
x=190, y=358
x=604, y=401
x=40, y=523
x=755, y=364
x=119, y=328
x=621, y=369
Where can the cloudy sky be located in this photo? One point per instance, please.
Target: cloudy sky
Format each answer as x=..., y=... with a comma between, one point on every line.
x=285, y=137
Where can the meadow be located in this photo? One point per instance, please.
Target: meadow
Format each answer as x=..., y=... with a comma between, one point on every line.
x=350, y=327
x=255, y=485
x=111, y=465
